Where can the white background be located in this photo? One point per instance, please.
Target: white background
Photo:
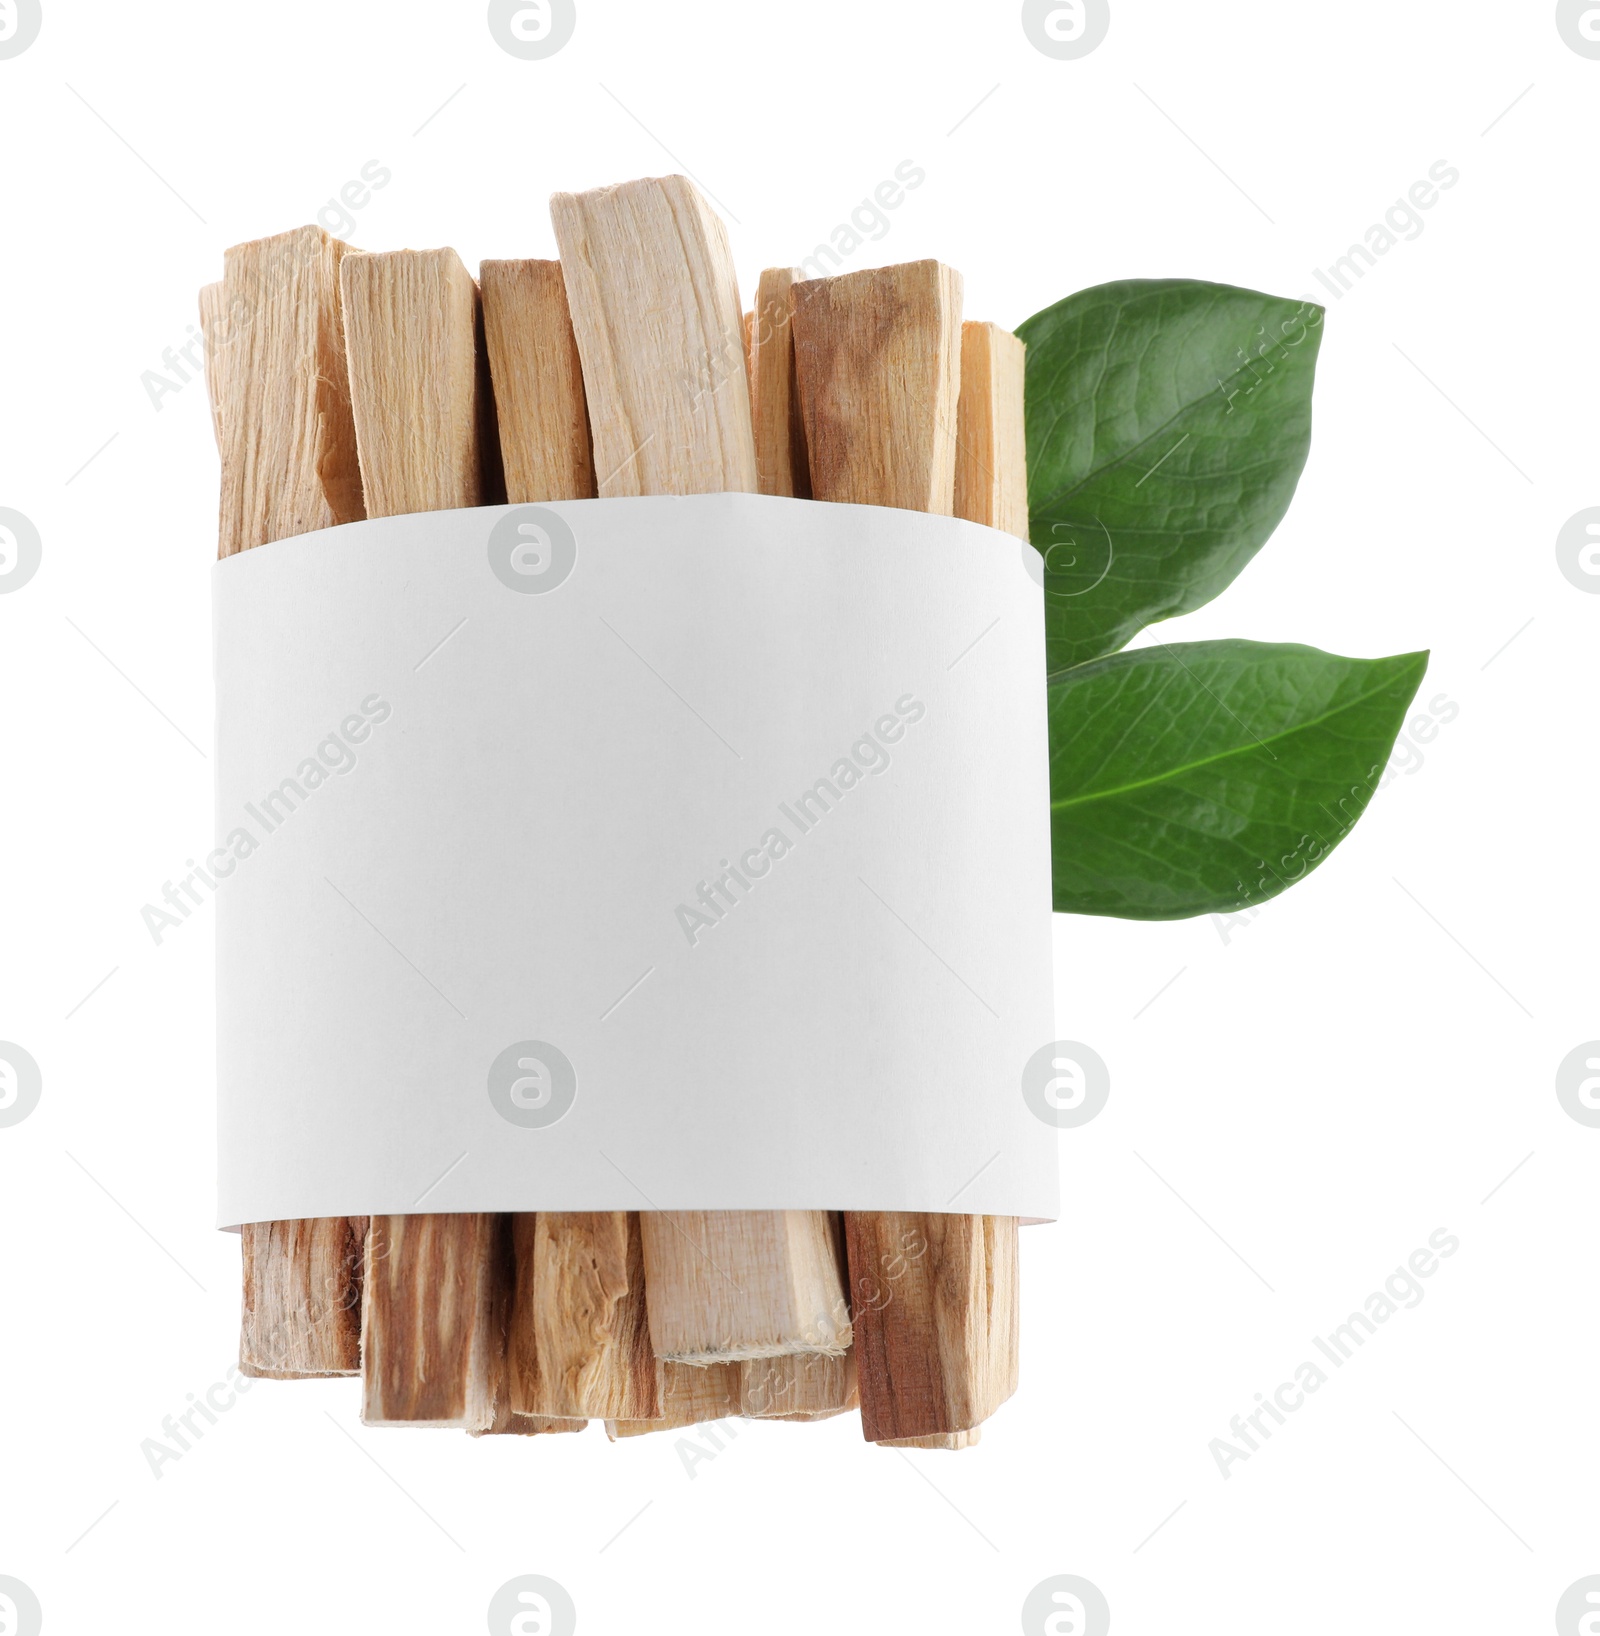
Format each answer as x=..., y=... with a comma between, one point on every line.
x=1297, y=1111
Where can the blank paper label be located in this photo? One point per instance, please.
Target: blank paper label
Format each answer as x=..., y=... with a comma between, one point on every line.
x=632, y=854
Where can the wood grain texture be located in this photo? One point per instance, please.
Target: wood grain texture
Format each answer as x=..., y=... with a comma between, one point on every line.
x=538, y=382
x=302, y=1298
x=655, y=306
x=411, y=332
x=933, y=1296
x=580, y=1339
x=527, y=1425
x=992, y=488
x=284, y=417
x=280, y=403
x=689, y=1395
x=490, y=1411
x=782, y=465
x=991, y=447
x=807, y=1385
x=213, y=329
x=490, y=1406
x=936, y=1320
x=433, y=1321
x=488, y=1373
x=437, y=1286
x=946, y=1440
x=726, y=1285
x=878, y=356
x=810, y=1386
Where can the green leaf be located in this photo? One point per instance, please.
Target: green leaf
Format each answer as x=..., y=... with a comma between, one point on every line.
x=1168, y=423
x=1209, y=776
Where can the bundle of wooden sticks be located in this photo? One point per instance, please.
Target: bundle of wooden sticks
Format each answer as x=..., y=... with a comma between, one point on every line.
x=347, y=385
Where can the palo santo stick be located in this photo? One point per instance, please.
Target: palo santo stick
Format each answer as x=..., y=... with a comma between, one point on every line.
x=740, y=1284
x=945, y=1440
x=655, y=304
x=289, y=448
x=302, y=1298
x=655, y=307
x=782, y=466
x=411, y=333
x=538, y=382
x=580, y=1339
x=689, y=1395
x=808, y=1387
x=489, y=1408
x=490, y=1411
x=991, y=445
x=280, y=403
x=878, y=356
x=433, y=1321
x=992, y=488
x=939, y=1353
x=527, y=1425
x=213, y=323
x=432, y=1327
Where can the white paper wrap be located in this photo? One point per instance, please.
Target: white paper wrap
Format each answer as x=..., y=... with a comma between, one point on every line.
x=632, y=854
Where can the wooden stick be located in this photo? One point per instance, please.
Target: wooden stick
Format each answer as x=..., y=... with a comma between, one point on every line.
x=692, y=1394
x=782, y=465
x=738, y=1284
x=579, y=1343
x=489, y=1409
x=689, y=1395
x=808, y=1387
x=411, y=323
x=580, y=1339
x=992, y=488
x=935, y=1295
x=527, y=1425
x=937, y=1350
x=280, y=401
x=302, y=1298
x=942, y=1440
x=213, y=324
x=879, y=366
x=991, y=445
x=538, y=382
x=487, y=1371
x=655, y=307
x=433, y=1321
x=289, y=448
x=655, y=304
